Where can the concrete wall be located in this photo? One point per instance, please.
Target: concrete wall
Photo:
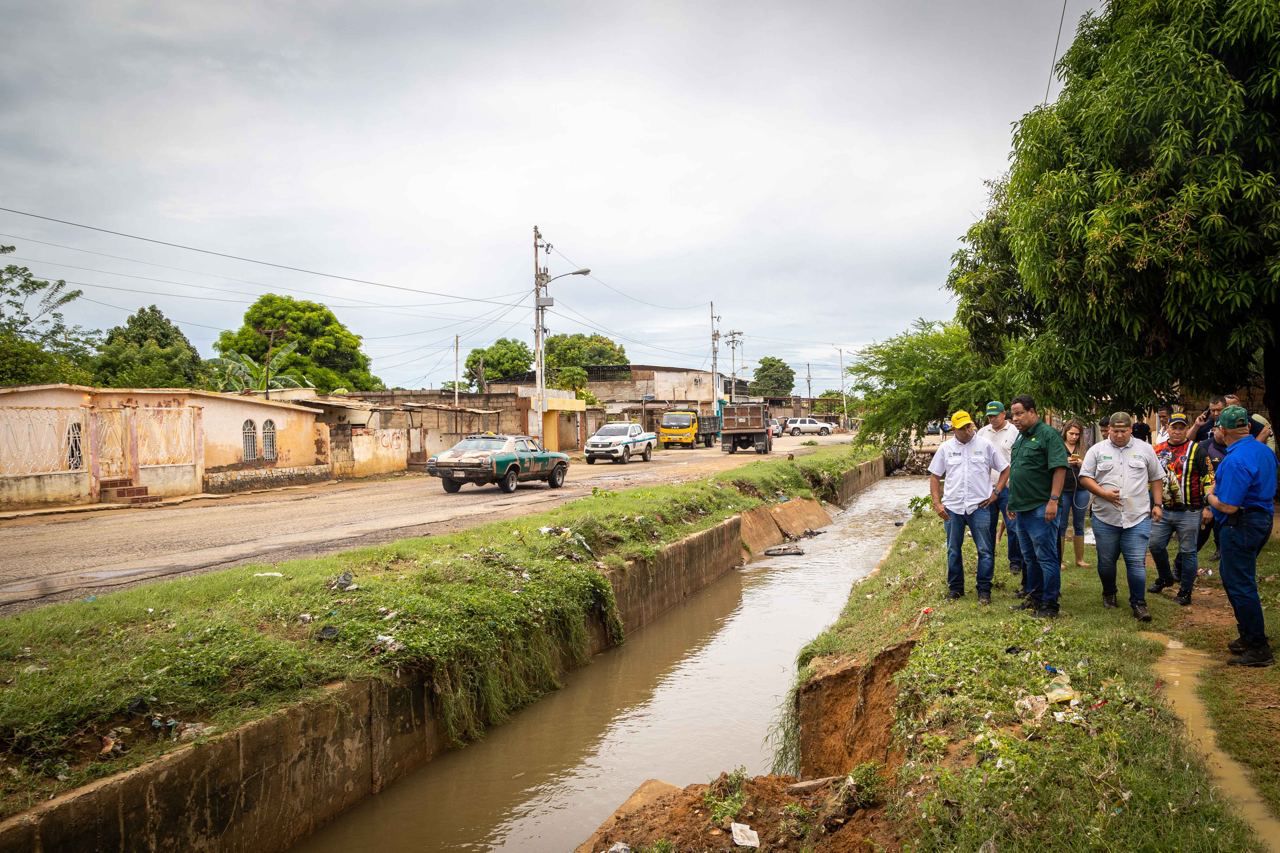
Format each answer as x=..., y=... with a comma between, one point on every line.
x=63, y=487
x=268, y=477
x=170, y=480
x=379, y=451
x=267, y=784
x=224, y=419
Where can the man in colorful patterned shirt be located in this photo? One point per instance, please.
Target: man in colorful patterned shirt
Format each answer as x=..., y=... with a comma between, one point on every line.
x=1187, y=476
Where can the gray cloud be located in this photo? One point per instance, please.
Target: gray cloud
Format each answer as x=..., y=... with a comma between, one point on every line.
x=808, y=166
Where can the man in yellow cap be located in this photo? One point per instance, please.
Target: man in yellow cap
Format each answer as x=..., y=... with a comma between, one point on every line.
x=962, y=491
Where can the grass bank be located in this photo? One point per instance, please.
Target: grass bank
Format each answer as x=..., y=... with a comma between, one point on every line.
x=1111, y=771
x=91, y=687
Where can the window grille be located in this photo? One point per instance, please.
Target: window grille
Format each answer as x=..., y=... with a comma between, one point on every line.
x=75, y=453
x=269, y=441
x=250, y=434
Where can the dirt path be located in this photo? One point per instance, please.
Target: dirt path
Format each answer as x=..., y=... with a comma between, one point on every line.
x=56, y=557
x=1180, y=668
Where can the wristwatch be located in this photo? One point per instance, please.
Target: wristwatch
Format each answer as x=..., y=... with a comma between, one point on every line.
x=1055, y=497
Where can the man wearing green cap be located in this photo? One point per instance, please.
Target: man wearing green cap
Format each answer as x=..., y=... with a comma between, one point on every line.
x=1001, y=435
x=1125, y=475
x=1243, y=502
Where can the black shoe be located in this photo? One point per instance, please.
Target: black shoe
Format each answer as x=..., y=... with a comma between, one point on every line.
x=1141, y=613
x=1159, y=587
x=1049, y=611
x=1015, y=570
x=1109, y=601
x=1237, y=645
x=1256, y=656
x=952, y=595
x=1183, y=598
x=1028, y=603
x=1019, y=593
x=984, y=598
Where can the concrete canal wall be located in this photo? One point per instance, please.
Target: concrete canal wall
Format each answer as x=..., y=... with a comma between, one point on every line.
x=267, y=784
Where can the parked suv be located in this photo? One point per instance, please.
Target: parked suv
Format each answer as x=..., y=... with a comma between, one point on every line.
x=775, y=427
x=806, y=426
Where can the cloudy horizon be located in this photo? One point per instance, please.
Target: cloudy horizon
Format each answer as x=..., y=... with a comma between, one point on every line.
x=808, y=168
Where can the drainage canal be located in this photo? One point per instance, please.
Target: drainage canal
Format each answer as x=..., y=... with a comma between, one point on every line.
x=691, y=695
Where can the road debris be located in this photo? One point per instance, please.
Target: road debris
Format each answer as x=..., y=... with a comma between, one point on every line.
x=784, y=551
x=744, y=836
x=328, y=632
x=268, y=574
x=343, y=582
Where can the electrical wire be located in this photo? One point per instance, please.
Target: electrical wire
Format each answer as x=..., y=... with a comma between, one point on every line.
x=597, y=280
x=242, y=258
x=1056, y=41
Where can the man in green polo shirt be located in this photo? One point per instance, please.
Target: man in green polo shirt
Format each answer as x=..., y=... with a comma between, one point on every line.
x=1038, y=466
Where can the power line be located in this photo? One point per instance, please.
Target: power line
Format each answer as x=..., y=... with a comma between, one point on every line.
x=628, y=295
x=247, y=260
x=1056, y=41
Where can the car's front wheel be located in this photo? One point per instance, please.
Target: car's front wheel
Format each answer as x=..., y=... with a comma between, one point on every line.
x=450, y=486
x=556, y=480
x=509, y=480
x=824, y=432
x=591, y=460
x=626, y=455
x=648, y=453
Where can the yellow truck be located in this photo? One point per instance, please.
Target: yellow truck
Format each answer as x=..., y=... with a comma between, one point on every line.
x=688, y=428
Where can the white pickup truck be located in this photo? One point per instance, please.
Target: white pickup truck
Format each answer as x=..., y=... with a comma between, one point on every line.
x=620, y=442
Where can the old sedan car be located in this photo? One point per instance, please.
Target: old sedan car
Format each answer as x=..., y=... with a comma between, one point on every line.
x=502, y=459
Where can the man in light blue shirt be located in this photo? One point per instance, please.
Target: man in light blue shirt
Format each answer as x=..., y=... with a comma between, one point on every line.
x=960, y=484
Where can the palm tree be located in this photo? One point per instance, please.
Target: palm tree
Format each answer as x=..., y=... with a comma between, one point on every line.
x=239, y=372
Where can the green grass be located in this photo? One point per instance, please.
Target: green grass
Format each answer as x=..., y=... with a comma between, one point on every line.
x=1115, y=773
x=1243, y=704
x=229, y=646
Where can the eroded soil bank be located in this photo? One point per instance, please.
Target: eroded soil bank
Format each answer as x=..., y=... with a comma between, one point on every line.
x=694, y=692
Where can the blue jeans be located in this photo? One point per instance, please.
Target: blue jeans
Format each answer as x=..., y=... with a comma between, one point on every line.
x=1112, y=541
x=1239, y=570
x=1039, y=546
x=1010, y=529
x=978, y=524
x=1186, y=526
x=1071, y=510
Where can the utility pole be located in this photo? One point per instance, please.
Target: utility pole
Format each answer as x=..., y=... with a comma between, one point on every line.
x=717, y=387
x=539, y=283
x=484, y=386
x=844, y=401
x=266, y=365
x=456, y=378
x=808, y=381
x=735, y=340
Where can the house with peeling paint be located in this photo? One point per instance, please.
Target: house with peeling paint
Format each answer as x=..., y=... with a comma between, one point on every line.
x=73, y=444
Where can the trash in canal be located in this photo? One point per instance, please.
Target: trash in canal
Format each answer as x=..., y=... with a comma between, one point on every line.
x=784, y=551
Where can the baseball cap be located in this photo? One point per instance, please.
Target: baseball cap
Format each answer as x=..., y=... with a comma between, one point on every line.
x=960, y=419
x=1179, y=418
x=995, y=407
x=1121, y=419
x=1233, y=417
x=1257, y=424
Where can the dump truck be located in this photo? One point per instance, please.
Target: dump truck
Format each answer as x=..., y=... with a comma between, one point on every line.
x=745, y=426
x=688, y=428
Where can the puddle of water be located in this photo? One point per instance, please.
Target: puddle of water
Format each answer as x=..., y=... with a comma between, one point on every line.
x=1180, y=668
x=691, y=695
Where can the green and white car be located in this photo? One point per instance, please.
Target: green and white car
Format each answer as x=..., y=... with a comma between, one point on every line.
x=620, y=442
x=503, y=459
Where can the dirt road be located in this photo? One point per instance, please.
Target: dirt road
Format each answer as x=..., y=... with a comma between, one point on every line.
x=51, y=558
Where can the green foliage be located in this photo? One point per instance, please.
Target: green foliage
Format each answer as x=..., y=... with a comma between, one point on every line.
x=864, y=786
x=325, y=353
x=451, y=385
x=148, y=351
x=1133, y=248
x=773, y=378
x=830, y=403
x=573, y=379
x=920, y=505
x=505, y=358
x=919, y=376
x=580, y=350
x=238, y=372
x=36, y=344
x=725, y=796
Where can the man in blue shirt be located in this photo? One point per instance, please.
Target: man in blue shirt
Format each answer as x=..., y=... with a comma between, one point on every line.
x=1243, y=502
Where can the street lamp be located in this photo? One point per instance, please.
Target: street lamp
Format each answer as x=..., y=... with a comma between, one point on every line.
x=541, y=304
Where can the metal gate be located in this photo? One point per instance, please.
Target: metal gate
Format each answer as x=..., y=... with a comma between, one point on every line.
x=111, y=434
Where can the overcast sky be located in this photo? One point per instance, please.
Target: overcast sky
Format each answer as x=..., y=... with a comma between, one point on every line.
x=808, y=166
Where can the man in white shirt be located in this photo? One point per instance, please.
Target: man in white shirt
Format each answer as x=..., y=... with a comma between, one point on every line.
x=1120, y=471
x=960, y=484
x=1001, y=434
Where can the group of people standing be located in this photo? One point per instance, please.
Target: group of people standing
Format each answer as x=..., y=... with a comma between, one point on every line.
x=1192, y=479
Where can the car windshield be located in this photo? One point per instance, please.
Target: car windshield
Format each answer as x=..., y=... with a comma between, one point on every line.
x=614, y=429
x=481, y=444
x=676, y=420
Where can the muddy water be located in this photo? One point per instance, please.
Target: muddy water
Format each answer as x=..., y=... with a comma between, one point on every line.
x=1180, y=667
x=692, y=694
